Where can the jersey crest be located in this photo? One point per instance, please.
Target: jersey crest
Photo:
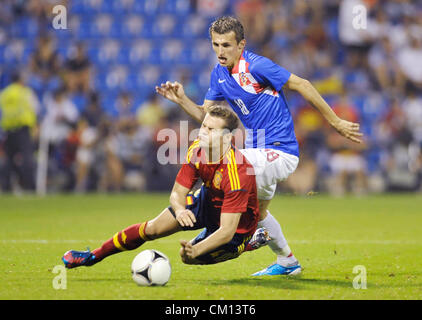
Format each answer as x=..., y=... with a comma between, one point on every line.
x=218, y=177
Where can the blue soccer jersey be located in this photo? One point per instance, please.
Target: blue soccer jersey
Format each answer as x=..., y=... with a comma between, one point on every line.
x=253, y=89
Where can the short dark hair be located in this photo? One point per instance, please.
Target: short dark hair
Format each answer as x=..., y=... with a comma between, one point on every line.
x=230, y=118
x=226, y=24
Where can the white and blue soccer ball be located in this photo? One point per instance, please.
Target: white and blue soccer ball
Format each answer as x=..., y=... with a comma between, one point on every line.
x=151, y=268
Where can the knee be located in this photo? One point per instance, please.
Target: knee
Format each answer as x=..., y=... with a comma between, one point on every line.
x=151, y=230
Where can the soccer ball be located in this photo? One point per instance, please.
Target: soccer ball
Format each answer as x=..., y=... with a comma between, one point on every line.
x=151, y=268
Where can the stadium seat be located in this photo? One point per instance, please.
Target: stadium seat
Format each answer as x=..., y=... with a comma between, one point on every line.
x=108, y=52
x=123, y=7
x=170, y=52
x=193, y=26
x=132, y=26
x=148, y=7
x=164, y=26
x=14, y=52
x=176, y=7
x=24, y=28
x=76, y=7
x=139, y=51
x=102, y=26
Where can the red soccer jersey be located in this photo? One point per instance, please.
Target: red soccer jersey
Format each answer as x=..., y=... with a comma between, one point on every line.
x=230, y=183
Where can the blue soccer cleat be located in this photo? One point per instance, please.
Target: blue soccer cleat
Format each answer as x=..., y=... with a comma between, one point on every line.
x=73, y=259
x=277, y=269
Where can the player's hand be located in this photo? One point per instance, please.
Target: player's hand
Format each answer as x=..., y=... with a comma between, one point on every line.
x=189, y=250
x=348, y=129
x=171, y=90
x=185, y=217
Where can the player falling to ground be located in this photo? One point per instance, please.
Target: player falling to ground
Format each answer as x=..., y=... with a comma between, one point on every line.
x=226, y=205
x=252, y=85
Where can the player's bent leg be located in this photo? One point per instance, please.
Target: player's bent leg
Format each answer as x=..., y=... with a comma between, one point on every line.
x=128, y=239
x=162, y=226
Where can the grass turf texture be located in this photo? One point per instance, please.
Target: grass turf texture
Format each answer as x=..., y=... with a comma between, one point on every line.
x=329, y=236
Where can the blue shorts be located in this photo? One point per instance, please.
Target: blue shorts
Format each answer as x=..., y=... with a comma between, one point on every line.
x=230, y=250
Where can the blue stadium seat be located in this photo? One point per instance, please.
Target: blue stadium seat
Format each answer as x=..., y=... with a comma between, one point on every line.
x=93, y=6
x=76, y=7
x=176, y=7
x=101, y=26
x=14, y=52
x=108, y=52
x=147, y=7
x=194, y=26
x=123, y=6
x=170, y=52
x=164, y=26
x=132, y=26
x=107, y=6
x=83, y=31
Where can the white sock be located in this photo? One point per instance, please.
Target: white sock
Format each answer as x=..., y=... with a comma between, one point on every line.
x=278, y=242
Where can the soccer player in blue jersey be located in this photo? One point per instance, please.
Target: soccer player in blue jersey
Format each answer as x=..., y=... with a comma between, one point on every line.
x=253, y=87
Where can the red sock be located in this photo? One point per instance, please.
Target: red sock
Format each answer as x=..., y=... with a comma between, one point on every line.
x=128, y=239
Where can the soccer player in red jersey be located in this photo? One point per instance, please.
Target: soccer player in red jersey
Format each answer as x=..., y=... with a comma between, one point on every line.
x=225, y=207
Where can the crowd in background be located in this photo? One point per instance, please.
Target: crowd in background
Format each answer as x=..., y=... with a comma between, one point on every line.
x=97, y=120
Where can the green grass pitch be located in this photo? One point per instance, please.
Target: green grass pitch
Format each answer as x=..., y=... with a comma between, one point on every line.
x=329, y=236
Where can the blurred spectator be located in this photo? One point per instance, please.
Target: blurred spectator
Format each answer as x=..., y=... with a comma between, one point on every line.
x=252, y=15
x=409, y=60
x=78, y=70
x=94, y=132
x=59, y=128
x=18, y=106
x=93, y=114
x=44, y=66
x=61, y=116
x=347, y=164
x=391, y=124
x=132, y=147
x=125, y=110
x=151, y=113
x=355, y=73
x=382, y=61
x=96, y=147
x=309, y=129
x=402, y=164
x=412, y=106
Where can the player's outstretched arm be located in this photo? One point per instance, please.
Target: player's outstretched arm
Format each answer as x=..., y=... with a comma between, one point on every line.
x=228, y=227
x=174, y=92
x=347, y=129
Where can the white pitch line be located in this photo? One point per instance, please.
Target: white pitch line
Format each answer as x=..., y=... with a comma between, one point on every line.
x=319, y=241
